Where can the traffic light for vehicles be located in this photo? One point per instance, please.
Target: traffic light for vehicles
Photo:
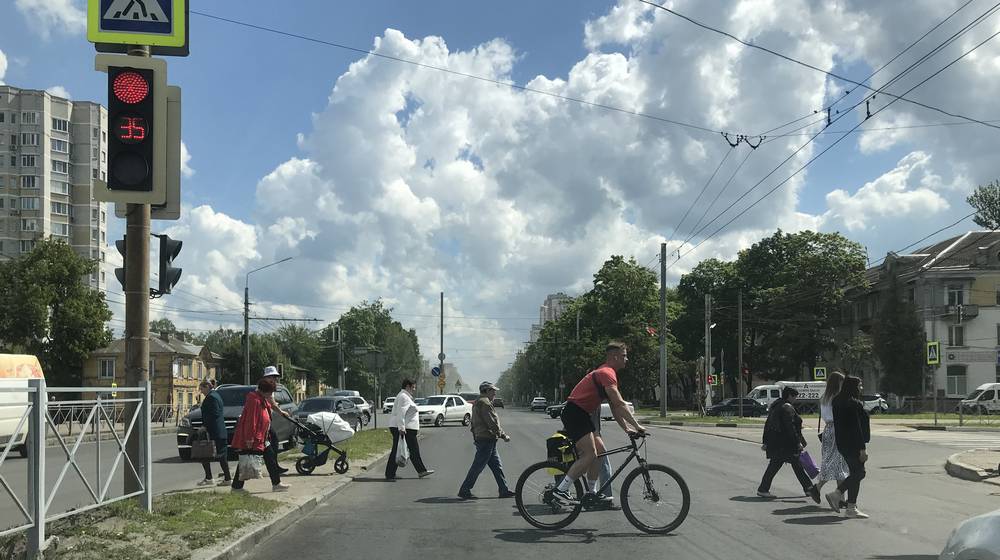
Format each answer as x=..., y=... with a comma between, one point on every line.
x=120, y=272
x=169, y=276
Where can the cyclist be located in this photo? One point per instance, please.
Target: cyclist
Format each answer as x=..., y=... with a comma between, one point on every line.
x=585, y=399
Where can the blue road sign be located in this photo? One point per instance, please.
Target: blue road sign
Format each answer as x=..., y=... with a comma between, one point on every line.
x=435, y=371
x=160, y=23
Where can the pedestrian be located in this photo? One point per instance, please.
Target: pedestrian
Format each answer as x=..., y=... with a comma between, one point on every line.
x=853, y=432
x=605, y=497
x=214, y=421
x=272, y=449
x=251, y=434
x=585, y=399
x=832, y=463
x=405, y=423
x=486, y=431
x=783, y=443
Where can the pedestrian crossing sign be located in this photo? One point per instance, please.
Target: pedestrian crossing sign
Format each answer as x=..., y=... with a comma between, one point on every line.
x=157, y=23
x=933, y=353
x=819, y=373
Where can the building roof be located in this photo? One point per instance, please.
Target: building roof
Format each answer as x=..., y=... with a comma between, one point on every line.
x=961, y=252
x=158, y=346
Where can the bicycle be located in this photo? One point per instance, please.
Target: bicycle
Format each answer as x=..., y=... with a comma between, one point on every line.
x=533, y=493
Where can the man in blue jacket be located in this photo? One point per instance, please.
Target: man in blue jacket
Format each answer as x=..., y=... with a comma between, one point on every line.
x=214, y=421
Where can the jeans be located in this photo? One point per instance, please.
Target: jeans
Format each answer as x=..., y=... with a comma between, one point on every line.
x=486, y=454
x=775, y=465
x=270, y=462
x=412, y=445
x=221, y=450
x=852, y=484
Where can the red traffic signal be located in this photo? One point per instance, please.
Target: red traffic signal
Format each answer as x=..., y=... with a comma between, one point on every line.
x=131, y=110
x=130, y=87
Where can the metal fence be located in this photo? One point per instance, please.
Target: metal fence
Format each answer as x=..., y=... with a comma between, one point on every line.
x=102, y=415
x=71, y=416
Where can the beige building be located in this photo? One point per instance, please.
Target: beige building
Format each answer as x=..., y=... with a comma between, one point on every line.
x=51, y=151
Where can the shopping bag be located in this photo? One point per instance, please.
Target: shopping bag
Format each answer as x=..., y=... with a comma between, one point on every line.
x=402, y=452
x=201, y=447
x=251, y=466
x=808, y=465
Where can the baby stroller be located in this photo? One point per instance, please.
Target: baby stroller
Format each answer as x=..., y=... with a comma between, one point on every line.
x=319, y=434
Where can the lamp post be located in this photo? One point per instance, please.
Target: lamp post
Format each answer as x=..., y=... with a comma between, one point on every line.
x=246, y=319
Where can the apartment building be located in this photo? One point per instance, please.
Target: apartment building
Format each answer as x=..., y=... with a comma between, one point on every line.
x=51, y=151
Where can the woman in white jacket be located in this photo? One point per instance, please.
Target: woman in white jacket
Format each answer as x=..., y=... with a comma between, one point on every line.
x=405, y=421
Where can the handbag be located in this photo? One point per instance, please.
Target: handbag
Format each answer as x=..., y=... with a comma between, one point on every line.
x=251, y=466
x=402, y=453
x=806, y=460
x=202, y=447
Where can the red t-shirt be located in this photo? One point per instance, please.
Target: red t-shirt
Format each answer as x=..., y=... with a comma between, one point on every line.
x=585, y=394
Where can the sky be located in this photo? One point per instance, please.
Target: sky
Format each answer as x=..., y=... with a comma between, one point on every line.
x=399, y=180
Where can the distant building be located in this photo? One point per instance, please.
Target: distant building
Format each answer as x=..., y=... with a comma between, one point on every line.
x=553, y=308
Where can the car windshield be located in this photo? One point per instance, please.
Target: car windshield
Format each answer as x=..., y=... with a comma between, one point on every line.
x=435, y=401
x=420, y=401
x=358, y=400
x=315, y=405
x=974, y=395
x=234, y=396
x=390, y=399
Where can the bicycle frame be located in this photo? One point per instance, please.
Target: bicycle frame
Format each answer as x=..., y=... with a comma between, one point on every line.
x=633, y=448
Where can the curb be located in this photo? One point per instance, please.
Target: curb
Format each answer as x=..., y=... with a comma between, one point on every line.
x=270, y=527
x=956, y=468
x=931, y=427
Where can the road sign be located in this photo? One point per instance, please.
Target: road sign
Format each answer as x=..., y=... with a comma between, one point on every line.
x=435, y=371
x=934, y=353
x=161, y=24
x=819, y=373
x=441, y=356
x=441, y=383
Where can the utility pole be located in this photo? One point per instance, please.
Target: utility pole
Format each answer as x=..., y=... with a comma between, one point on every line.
x=739, y=346
x=663, y=330
x=246, y=333
x=340, y=360
x=722, y=371
x=136, y=314
x=703, y=375
x=443, y=379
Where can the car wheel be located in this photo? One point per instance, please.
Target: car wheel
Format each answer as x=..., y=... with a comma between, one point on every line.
x=368, y=418
x=185, y=454
x=467, y=420
x=439, y=421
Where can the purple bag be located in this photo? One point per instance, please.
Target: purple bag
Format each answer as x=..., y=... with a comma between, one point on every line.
x=807, y=463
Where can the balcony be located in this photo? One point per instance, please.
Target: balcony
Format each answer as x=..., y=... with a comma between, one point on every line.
x=968, y=311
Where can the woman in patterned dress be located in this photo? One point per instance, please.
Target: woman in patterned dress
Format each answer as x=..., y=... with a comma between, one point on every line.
x=833, y=466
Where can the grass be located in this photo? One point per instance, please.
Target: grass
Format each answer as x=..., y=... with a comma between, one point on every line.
x=364, y=444
x=179, y=524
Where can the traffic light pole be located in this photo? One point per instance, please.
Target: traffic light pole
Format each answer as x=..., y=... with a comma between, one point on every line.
x=663, y=330
x=136, y=315
x=739, y=343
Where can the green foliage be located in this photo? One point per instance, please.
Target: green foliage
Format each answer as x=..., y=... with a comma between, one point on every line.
x=48, y=311
x=986, y=201
x=899, y=344
x=265, y=350
x=857, y=354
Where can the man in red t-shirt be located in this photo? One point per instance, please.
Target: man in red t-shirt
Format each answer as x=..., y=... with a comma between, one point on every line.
x=585, y=399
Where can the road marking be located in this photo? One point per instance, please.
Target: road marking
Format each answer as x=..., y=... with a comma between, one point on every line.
x=948, y=439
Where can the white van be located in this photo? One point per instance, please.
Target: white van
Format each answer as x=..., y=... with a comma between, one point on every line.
x=984, y=400
x=15, y=371
x=809, y=392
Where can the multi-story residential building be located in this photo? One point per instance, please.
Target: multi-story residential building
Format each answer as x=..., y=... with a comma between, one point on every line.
x=51, y=151
x=553, y=308
x=955, y=285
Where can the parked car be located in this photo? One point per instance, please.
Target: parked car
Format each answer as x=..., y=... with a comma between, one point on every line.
x=343, y=406
x=606, y=410
x=498, y=402
x=974, y=539
x=470, y=398
x=539, y=403
x=387, y=405
x=233, y=398
x=364, y=406
x=731, y=407
x=445, y=408
x=420, y=400
x=875, y=404
x=555, y=410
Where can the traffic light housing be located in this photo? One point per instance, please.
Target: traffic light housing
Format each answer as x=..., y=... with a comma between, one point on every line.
x=120, y=272
x=168, y=275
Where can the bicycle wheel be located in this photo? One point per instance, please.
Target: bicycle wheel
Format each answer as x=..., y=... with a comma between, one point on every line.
x=658, y=501
x=533, y=495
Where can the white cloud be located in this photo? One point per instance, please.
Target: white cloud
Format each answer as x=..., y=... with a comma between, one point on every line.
x=3, y=65
x=54, y=16
x=59, y=91
x=185, y=161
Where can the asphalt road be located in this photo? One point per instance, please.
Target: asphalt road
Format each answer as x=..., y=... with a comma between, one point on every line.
x=913, y=504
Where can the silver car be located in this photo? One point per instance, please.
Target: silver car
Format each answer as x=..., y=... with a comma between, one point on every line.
x=977, y=538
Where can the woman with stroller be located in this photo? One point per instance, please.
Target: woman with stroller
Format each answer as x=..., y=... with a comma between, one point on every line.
x=251, y=435
x=832, y=464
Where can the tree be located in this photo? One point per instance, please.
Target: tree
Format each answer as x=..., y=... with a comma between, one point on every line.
x=265, y=350
x=49, y=312
x=986, y=200
x=899, y=344
x=857, y=354
x=162, y=326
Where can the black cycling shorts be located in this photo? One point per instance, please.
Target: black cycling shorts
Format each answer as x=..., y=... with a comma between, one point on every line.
x=576, y=422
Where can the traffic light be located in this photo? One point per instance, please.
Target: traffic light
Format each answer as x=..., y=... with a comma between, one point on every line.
x=169, y=249
x=120, y=272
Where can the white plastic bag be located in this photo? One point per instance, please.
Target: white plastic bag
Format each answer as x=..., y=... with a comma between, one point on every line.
x=335, y=427
x=402, y=452
x=251, y=467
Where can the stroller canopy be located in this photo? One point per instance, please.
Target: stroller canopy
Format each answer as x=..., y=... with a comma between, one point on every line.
x=335, y=427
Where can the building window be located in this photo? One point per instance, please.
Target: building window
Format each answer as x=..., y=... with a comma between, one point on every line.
x=13, y=139
x=2, y=116
x=60, y=187
x=93, y=172
x=27, y=246
x=29, y=139
x=29, y=182
x=13, y=161
x=29, y=203
x=104, y=216
x=29, y=224
x=957, y=381
x=93, y=235
x=29, y=117
x=60, y=146
x=28, y=161
x=60, y=167
x=956, y=294
x=1, y=203
x=104, y=176
x=61, y=230
x=60, y=208
x=103, y=279
x=107, y=368
x=95, y=132
x=61, y=125
x=103, y=259
x=103, y=238
x=93, y=214
x=956, y=335
x=104, y=157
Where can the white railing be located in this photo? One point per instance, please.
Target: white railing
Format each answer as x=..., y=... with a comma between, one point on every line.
x=38, y=423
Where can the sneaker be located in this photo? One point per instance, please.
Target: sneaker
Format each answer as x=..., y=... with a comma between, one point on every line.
x=280, y=487
x=225, y=482
x=467, y=496
x=206, y=482
x=428, y=472
x=507, y=494
x=853, y=511
x=563, y=498
x=834, y=498
x=813, y=492
x=282, y=470
x=765, y=494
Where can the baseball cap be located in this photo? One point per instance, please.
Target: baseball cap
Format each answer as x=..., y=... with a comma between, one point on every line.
x=271, y=370
x=486, y=386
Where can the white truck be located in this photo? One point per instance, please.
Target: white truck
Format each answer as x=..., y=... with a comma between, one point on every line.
x=15, y=371
x=809, y=393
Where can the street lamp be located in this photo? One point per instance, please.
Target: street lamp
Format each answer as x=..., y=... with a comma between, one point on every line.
x=246, y=318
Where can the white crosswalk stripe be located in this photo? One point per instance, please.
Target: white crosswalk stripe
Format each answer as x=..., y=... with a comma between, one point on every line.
x=964, y=440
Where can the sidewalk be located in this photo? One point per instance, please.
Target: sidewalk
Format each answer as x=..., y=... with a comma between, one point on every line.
x=978, y=465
